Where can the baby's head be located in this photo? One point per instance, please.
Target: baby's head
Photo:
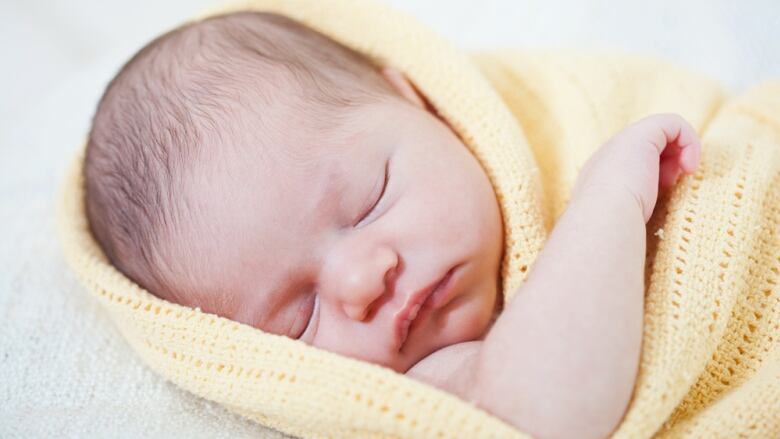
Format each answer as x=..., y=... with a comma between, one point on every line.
x=254, y=168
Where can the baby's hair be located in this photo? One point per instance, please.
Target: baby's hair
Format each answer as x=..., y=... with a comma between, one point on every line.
x=181, y=92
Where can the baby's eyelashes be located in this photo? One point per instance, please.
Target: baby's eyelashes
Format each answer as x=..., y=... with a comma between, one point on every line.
x=371, y=209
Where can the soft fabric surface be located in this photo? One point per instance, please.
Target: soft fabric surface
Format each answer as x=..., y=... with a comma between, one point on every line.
x=711, y=356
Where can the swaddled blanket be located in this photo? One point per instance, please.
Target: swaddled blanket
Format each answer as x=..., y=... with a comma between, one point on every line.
x=711, y=351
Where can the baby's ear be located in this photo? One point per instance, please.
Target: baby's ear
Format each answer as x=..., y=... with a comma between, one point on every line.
x=403, y=86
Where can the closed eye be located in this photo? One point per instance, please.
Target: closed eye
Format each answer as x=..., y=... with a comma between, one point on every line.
x=381, y=194
x=314, y=305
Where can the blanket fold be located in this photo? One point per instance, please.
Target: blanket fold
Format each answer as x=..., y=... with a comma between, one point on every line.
x=711, y=350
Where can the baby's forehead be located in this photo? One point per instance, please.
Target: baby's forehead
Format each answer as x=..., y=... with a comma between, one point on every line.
x=295, y=143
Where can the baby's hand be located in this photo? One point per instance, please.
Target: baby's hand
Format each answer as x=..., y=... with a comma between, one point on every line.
x=649, y=153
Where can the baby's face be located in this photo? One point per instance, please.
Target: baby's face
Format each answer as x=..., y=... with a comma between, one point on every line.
x=331, y=242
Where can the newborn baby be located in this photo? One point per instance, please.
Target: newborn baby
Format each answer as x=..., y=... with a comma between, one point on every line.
x=258, y=170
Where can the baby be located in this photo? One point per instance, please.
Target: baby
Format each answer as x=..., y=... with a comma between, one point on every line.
x=254, y=168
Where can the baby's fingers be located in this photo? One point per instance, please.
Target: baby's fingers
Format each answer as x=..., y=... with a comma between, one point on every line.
x=669, y=172
x=674, y=139
x=690, y=156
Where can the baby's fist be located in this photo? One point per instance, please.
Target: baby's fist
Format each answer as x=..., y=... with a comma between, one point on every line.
x=647, y=155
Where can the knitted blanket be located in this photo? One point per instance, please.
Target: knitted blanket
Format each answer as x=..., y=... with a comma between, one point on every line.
x=711, y=350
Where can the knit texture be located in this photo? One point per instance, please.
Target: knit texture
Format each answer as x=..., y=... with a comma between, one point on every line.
x=711, y=351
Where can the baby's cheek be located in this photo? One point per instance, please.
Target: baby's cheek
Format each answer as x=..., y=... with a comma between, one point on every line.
x=468, y=320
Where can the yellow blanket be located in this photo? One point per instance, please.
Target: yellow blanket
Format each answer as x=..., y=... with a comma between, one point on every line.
x=711, y=351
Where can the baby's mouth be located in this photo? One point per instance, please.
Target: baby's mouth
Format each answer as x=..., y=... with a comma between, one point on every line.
x=433, y=297
x=406, y=324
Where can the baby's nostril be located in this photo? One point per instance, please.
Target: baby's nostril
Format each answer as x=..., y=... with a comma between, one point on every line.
x=390, y=276
x=356, y=313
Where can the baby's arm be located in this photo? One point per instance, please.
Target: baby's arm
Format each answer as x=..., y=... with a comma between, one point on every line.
x=562, y=358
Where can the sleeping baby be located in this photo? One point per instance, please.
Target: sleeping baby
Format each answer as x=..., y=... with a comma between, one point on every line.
x=258, y=170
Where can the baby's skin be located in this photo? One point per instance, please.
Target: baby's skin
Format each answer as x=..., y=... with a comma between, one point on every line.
x=562, y=358
x=338, y=239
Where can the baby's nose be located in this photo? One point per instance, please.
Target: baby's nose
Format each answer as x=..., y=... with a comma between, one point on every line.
x=362, y=282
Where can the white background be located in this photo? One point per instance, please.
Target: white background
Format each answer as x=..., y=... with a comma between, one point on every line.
x=64, y=369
